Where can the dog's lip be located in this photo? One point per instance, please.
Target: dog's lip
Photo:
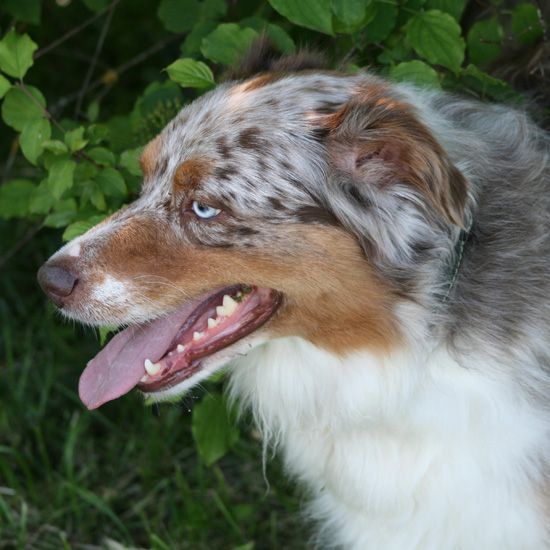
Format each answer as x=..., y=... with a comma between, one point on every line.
x=119, y=366
x=257, y=308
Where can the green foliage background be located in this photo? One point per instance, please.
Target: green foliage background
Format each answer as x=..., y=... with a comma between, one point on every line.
x=84, y=84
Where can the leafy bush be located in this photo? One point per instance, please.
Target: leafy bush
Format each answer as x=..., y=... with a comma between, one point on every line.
x=84, y=84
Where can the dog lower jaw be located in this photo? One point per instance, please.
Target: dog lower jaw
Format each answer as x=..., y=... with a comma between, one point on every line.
x=209, y=366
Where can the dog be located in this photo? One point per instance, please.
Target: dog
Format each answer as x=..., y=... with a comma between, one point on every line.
x=370, y=261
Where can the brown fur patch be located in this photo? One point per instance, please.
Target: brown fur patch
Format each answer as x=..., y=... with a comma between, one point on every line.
x=190, y=174
x=258, y=82
x=149, y=157
x=376, y=127
x=332, y=296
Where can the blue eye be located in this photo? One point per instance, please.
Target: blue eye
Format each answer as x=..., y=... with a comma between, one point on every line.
x=204, y=211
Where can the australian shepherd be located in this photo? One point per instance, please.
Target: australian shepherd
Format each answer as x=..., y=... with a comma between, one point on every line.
x=370, y=261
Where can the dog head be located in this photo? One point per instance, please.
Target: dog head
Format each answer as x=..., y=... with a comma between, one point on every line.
x=278, y=204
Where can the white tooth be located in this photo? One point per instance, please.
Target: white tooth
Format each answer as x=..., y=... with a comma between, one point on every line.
x=152, y=368
x=212, y=323
x=221, y=311
x=180, y=348
x=197, y=335
x=229, y=304
x=144, y=378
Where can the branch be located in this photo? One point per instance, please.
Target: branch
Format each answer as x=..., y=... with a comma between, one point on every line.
x=20, y=244
x=95, y=57
x=72, y=32
x=110, y=76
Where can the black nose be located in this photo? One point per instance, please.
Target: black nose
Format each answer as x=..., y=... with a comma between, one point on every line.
x=57, y=282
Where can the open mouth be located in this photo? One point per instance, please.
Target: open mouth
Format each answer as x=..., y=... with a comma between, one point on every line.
x=166, y=352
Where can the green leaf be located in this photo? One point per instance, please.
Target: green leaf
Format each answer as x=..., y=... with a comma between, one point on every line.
x=102, y=155
x=213, y=428
x=396, y=49
x=486, y=85
x=96, y=133
x=191, y=46
x=63, y=214
x=179, y=15
x=130, y=160
x=436, y=37
x=90, y=192
x=27, y=11
x=227, y=43
x=185, y=15
x=97, y=197
x=104, y=332
x=92, y=111
x=15, y=198
x=526, y=23
x=18, y=109
x=380, y=21
x=452, y=7
x=278, y=36
x=484, y=41
x=311, y=14
x=75, y=139
x=111, y=183
x=60, y=177
x=55, y=146
x=85, y=170
x=350, y=12
x=79, y=228
x=32, y=138
x=5, y=85
x=16, y=54
x=41, y=200
x=189, y=73
x=96, y=5
x=417, y=72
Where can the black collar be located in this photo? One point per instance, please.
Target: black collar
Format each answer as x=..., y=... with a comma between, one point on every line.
x=458, y=255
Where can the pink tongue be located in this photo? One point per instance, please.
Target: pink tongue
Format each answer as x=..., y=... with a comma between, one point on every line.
x=118, y=367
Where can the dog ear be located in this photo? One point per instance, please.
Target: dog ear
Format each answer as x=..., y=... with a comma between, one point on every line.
x=377, y=141
x=263, y=56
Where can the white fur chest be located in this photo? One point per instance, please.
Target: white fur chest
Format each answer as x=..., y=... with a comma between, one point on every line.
x=400, y=454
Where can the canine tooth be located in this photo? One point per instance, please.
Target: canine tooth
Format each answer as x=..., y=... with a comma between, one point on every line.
x=197, y=335
x=229, y=304
x=152, y=368
x=144, y=378
x=212, y=323
x=221, y=311
x=180, y=348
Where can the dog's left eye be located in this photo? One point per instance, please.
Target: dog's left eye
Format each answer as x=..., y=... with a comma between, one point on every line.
x=204, y=211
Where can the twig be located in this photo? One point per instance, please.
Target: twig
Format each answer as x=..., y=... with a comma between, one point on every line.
x=542, y=21
x=45, y=112
x=72, y=32
x=142, y=56
x=14, y=147
x=95, y=57
x=20, y=244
